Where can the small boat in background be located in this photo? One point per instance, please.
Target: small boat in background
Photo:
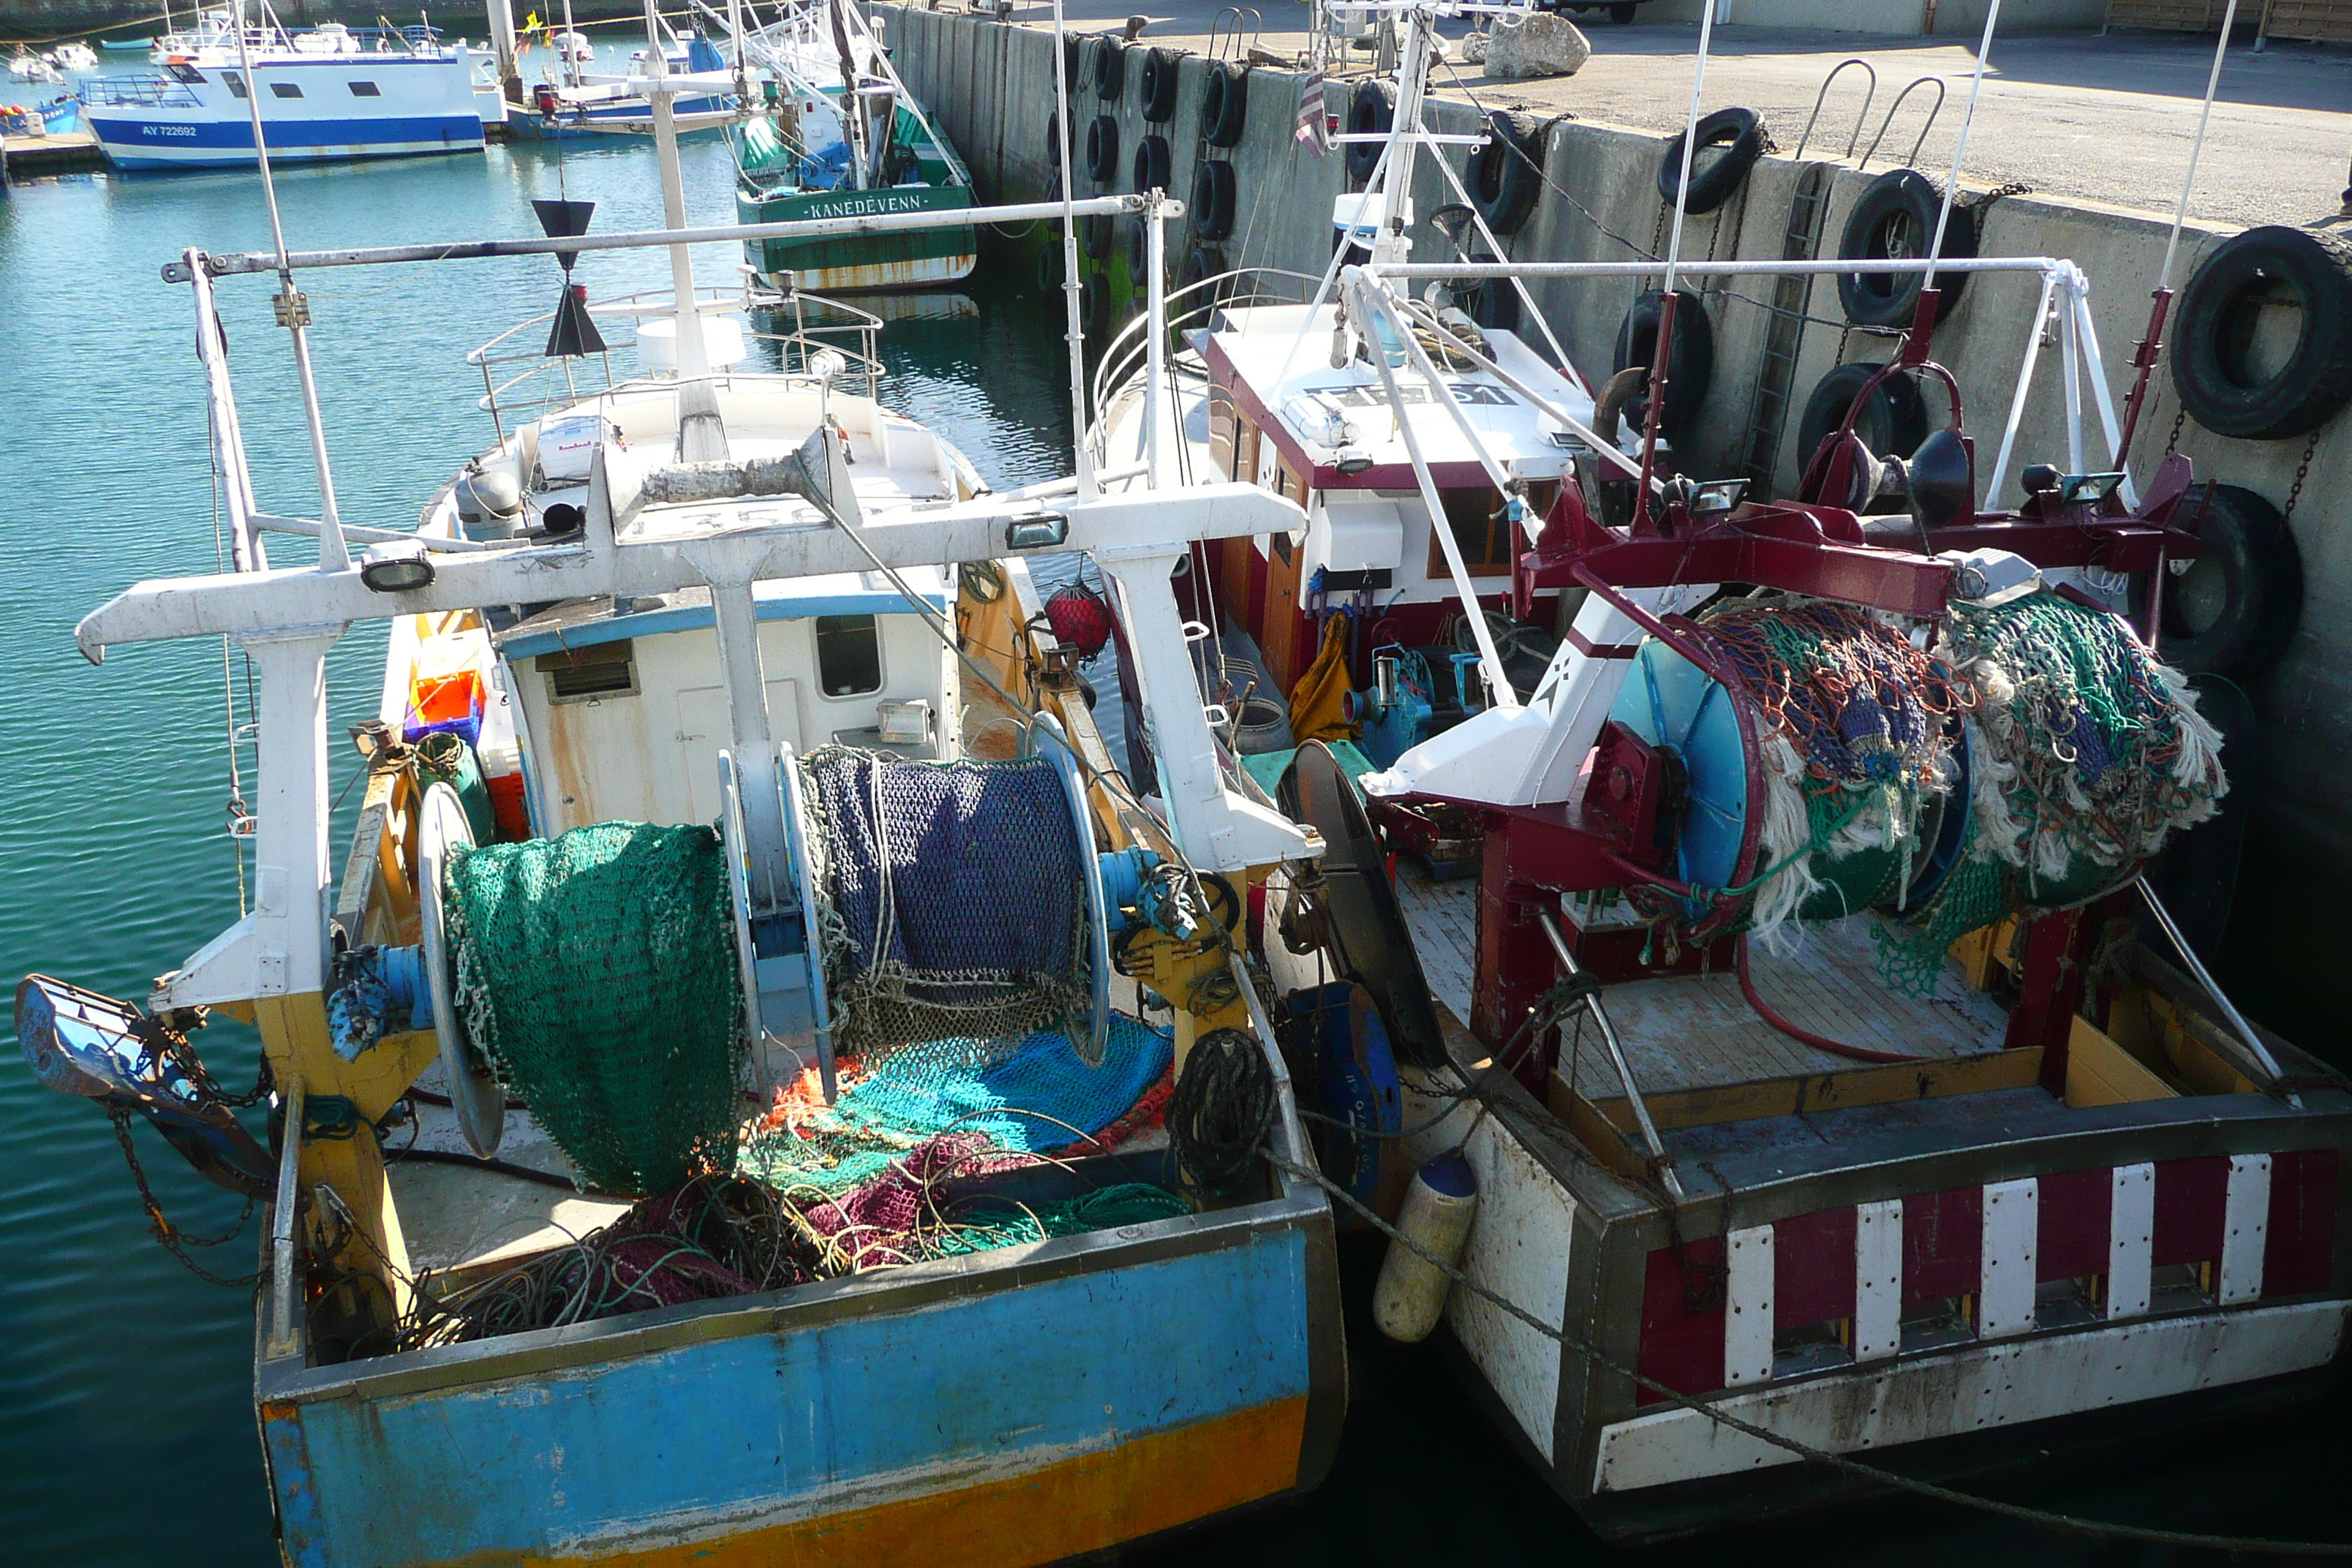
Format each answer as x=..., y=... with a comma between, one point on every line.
x=820, y=151
x=573, y=48
x=127, y=45
x=334, y=93
x=74, y=56
x=31, y=68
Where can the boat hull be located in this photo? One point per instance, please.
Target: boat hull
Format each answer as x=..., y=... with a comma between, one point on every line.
x=1084, y=1393
x=913, y=258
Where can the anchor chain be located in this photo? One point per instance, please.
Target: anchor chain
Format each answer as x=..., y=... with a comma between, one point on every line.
x=171, y=1238
x=2301, y=472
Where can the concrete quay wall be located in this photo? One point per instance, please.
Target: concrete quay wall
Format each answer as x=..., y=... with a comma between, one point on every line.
x=992, y=88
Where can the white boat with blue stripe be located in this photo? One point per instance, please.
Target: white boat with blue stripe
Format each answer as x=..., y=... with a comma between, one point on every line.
x=329, y=92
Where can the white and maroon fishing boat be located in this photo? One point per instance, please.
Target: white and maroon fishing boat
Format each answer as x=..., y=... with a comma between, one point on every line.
x=1778, y=948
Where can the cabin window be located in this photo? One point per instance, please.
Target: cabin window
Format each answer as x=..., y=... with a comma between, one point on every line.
x=285, y=90
x=1288, y=485
x=587, y=674
x=1484, y=538
x=366, y=89
x=195, y=77
x=848, y=655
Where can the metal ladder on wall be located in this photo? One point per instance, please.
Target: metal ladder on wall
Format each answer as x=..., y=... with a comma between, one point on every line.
x=1768, y=411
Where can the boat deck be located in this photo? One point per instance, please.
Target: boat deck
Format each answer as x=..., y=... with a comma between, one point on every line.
x=1698, y=1031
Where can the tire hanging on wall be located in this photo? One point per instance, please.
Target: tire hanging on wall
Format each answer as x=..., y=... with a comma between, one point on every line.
x=1138, y=252
x=1895, y=216
x=1200, y=265
x=1102, y=150
x=1154, y=164
x=1214, y=199
x=1224, y=103
x=1372, y=112
x=1110, y=68
x=1159, y=83
x=1506, y=170
x=1690, y=360
x=1741, y=133
x=1094, y=304
x=1054, y=145
x=1095, y=235
x=1892, y=422
x=2214, y=339
x=2234, y=611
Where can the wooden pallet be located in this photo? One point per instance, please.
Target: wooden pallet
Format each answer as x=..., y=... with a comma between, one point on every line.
x=2309, y=21
x=2170, y=15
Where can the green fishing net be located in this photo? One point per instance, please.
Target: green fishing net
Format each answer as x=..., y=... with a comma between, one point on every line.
x=598, y=972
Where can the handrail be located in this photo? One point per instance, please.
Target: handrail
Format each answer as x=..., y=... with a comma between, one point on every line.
x=1924, y=126
x=1861, y=116
x=1475, y=269
x=1120, y=356
x=1649, y=1139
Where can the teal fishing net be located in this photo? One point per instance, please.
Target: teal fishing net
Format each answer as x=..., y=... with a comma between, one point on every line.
x=1025, y=1097
x=597, y=970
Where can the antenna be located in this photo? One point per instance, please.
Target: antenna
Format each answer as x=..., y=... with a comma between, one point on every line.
x=293, y=308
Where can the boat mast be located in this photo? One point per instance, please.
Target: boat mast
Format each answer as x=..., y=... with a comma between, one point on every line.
x=693, y=365
x=564, y=61
x=1076, y=330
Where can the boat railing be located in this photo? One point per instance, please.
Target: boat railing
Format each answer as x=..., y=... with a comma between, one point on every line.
x=521, y=380
x=142, y=90
x=1192, y=305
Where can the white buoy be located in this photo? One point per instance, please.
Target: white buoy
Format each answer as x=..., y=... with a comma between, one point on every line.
x=1438, y=1209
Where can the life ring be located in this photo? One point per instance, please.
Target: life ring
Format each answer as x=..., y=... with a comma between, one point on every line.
x=1690, y=360
x=1224, y=103
x=1892, y=422
x=1214, y=199
x=1154, y=164
x=1159, y=83
x=1372, y=112
x=1110, y=68
x=1506, y=170
x=2214, y=340
x=2232, y=612
x=1894, y=217
x=1102, y=150
x=1741, y=133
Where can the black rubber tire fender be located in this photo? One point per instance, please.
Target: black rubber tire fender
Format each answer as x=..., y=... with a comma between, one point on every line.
x=1074, y=63
x=1159, y=99
x=2220, y=314
x=2234, y=611
x=1214, y=199
x=1741, y=133
x=1202, y=264
x=1095, y=235
x=1154, y=164
x=1138, y=252
x=1496, y=305
x=1506, y=170
x=1690, y=363
x=1895, y=215
x=1102, y=150
x=1110, y=68
x=1094, y=304
x=1224, y=103
x=1054, y=144
x=1371, y=112
x=1891, y=423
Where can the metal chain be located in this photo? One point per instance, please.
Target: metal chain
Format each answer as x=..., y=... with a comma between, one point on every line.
x=2301, y=472
x=2172, y=442
x=172, y=1239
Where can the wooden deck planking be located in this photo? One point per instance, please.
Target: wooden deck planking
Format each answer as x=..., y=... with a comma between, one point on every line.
x=1698, y=1031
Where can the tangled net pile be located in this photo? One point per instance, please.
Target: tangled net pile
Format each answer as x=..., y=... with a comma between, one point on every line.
x=597, y=970
x=718, y=1236
x=1855, y=733
x=917, y=866
x=2086, y=753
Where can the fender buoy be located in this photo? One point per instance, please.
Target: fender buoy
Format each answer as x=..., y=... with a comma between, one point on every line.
x=1506, y=170
x=2213, y=365
x=1159, y=83
x=1894, y=217
x=1372, y=112
x=1110, y=68
x=1690, y=362
x=1153, y=163
x=1102, y=149
x=1214, y=199
x=1741, y=133
x=1439, y=1208
x=1224, y=103
x=2232, y=613
x=1892, y=424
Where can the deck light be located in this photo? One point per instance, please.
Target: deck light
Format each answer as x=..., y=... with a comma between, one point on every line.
x=1353, y=460
x=1038, y=530
x=397, y=566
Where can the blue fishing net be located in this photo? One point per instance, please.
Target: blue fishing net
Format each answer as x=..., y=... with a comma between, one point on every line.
x=1039, y=1097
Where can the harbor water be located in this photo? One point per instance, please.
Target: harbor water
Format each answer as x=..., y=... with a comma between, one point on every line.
x=126, y=1427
